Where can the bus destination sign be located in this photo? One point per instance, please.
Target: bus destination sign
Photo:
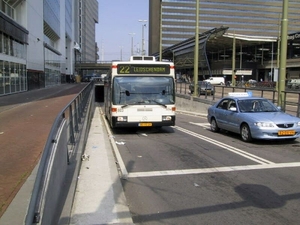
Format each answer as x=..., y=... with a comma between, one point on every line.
x=143, y=69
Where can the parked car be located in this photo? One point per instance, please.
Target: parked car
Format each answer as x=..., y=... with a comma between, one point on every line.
x=216, y=80
x=87, y=78
x=204, y=88
x=252, y=118
x=293, y=84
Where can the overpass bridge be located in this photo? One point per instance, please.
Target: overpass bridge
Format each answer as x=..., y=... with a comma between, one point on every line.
x=99, y=67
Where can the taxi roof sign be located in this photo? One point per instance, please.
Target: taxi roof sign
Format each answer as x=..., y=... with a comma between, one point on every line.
x=240, y=94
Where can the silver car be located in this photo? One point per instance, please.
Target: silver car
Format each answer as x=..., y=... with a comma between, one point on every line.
x=253, y=118
x=204, y=88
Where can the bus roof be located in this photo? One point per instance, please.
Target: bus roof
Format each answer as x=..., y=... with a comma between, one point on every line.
x=142, y=60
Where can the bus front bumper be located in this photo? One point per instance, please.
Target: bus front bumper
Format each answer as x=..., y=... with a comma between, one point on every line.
x=116, y=123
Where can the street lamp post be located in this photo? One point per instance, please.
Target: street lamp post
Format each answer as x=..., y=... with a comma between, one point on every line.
x=283, y=52
x=143, y=39
x=121, y=53
x=196, y=51
x=160, y=33
x=131, y=42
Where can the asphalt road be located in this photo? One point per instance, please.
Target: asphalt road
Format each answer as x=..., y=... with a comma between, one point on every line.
x=188, y=175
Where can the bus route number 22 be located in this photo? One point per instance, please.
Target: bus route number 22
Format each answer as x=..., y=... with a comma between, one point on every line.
x=124, y=69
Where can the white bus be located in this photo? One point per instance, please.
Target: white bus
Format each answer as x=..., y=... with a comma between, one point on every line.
x=140, y=93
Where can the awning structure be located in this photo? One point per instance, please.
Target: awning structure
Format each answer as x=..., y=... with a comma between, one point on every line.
x=225, y=42
x=215, y=41
x=238, y=72
x=218, y=49
x=183, y=53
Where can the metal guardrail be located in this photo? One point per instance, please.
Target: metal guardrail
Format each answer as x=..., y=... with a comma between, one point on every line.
x=60, y=151
x=291, y=101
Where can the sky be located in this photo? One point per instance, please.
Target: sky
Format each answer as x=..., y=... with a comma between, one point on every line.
x=118, y=27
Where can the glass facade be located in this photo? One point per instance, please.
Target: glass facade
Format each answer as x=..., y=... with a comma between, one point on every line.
x=52, y=16
x=37, y=41
x=13, y=74
x=52, y=68
x=87, y=29
x=259, y=18
x=68, y=17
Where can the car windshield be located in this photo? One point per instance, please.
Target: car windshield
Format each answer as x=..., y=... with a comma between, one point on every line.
x=256, y=105
x=205, y=84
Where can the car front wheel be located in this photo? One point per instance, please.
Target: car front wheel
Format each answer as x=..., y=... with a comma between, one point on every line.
x=214, y=126
x=246, y=133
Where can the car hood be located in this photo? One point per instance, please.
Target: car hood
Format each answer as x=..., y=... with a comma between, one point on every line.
x=277, y=117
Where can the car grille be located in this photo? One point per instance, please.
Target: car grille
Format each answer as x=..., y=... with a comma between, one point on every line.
x=285, y=125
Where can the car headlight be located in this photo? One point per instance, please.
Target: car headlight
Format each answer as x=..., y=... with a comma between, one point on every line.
x=264, y=124
x=298, y=124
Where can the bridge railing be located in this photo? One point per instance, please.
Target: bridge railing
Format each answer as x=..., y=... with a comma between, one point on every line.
x=60, y=160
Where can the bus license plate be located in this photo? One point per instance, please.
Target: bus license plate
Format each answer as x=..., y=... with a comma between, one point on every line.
x=286, y=132
x=145, y=124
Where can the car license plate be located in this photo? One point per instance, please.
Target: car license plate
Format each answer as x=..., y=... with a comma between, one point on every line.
x=286, y=132
x=145, y=124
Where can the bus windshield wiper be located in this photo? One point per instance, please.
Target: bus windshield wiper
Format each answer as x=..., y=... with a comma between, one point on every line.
x=133, y=103
x=123, y=106
x=159, y=103
x=137, y=103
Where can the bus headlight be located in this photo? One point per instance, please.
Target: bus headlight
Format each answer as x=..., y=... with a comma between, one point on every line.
x=122, y=118
x=166, y=118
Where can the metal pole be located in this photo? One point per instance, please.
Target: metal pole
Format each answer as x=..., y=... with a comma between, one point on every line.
x=143, y=41
x=272, y=59
x=233, y=62
x=196, y=51
x=278, y=53
x=160, y=33
x=121, y=53
x=131, y=42
x=283, y=52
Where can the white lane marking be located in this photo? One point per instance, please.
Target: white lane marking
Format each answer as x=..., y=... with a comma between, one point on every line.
x=121, y=164
x=227, y=147
x=212, y=170
x=205, y=125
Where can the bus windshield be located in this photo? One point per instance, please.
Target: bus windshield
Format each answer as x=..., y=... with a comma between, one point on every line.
x=131, y=90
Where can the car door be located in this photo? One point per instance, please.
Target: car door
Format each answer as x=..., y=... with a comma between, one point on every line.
x=221, y=114
x=232, y=117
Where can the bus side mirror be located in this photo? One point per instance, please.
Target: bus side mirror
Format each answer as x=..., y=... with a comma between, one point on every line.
x=127, y=93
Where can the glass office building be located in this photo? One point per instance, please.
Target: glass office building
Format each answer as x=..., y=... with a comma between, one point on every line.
x=13, y=52
x=259, y=18
x=40, y=41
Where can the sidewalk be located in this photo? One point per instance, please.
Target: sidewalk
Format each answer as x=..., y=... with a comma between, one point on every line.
x=99, y=197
